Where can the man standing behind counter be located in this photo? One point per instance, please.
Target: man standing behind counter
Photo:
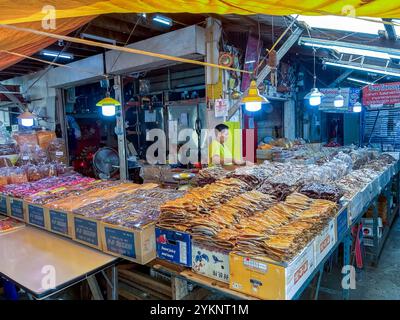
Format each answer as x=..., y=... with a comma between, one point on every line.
x=220, y=152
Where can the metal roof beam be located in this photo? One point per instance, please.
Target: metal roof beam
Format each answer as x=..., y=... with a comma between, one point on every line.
x=390, y=30
x=341, y=78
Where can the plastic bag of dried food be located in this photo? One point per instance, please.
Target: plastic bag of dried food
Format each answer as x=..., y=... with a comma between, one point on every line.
x=45, y=137
x=57, y=151
x=18, y=175
x=4, y=176
x=40, y=156
x=34, y=173
x=26, y=139
x=25, y=155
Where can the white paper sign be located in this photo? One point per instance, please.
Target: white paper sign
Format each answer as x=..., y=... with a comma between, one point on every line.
x=221, y=107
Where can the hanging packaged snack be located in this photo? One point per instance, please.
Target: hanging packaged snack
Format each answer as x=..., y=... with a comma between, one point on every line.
x=44, y=138
x=26, y=139
x=57, y=151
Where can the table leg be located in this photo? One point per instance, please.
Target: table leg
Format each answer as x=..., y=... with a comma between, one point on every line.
x=375, y=232
x=111, y=276
x=114, y=280
x=321, y=272
x=95, y=288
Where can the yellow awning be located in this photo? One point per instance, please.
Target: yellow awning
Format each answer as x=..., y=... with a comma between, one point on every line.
x=14, y=12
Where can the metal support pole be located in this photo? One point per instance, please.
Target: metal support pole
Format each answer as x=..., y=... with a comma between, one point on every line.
x=114, y=280
x=61, y=117
x=120, y=129
x=375, y=231
x=94, y=288
x=321, y=272
x=346, y=260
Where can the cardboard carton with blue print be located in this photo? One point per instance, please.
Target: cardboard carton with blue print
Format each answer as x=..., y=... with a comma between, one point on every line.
x=210, y=262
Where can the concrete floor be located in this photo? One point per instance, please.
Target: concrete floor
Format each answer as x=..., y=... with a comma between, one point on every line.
x=372, y=283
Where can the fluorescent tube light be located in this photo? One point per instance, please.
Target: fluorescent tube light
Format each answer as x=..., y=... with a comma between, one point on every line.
x=57, y=54
x=98, y=38
x=358, y=80
x=353, y=50
x=163, y=19
x=361, y=68
x=349, y=24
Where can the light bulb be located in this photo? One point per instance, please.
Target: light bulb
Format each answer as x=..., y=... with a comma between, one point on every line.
x=27, y=122
x=253, y=106
x=339, y=101
x=357, y=107
x=314, y=97
x=108, y=110
x=315, y=100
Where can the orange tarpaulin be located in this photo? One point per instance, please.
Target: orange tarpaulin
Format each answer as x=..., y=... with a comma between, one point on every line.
x=16, y=12
x=28, y=44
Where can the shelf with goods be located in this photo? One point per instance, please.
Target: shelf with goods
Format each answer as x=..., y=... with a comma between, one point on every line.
x=180, y=239
x=125, y=218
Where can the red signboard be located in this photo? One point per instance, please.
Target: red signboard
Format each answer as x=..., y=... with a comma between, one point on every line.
x=381, y=94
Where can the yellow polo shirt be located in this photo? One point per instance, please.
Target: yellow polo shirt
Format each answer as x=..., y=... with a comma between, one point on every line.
x=218, y=149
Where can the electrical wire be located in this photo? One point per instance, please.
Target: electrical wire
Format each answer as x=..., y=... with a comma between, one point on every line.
x=126, y=42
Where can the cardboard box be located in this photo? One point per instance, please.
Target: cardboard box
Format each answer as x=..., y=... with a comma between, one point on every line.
x=3, y=204
x=59, y=222
x=325, y=241
x=15, y=208
x=210, y=262
x=265, y=278
x=86, y=230
x=36, y=215
x=137, y=245
x=174, y=246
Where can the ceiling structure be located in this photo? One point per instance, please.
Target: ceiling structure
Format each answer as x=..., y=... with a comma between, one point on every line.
x=121, y=29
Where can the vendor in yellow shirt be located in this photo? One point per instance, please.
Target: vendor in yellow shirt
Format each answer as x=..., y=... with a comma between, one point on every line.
x=219, y=152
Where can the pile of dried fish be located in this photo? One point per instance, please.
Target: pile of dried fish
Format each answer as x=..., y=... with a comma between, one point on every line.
x=322, y=191
x=133, y=210
x=252, y=175
x=355, y=181
x=278, y=190
x=210, y=175
x=179, y=213
x=286, y=228
x=219, y=226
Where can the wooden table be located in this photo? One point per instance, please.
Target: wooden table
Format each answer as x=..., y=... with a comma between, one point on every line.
x=43, y=263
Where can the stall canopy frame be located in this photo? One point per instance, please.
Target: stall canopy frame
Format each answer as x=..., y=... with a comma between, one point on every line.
x=13, y=12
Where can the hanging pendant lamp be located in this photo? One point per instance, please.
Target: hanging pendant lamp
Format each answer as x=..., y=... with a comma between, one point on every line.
x=253, y=100
x=108, y=105
x=314, y=96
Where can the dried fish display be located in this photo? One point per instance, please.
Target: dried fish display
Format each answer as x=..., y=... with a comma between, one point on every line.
x=133, y=210
x=322, y=191
x=177, y=214
x=76, y=202
x=355, y=181
x=210, y=175
x=283, y=230
x=253, y=175
x=278, y=190
x=228, y=216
